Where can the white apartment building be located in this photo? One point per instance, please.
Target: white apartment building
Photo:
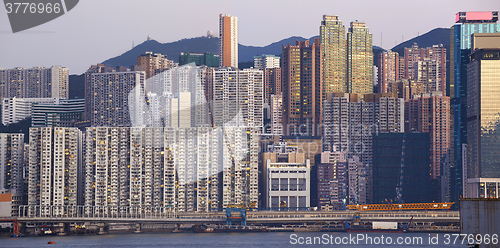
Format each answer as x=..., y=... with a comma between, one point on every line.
x=17, y=109
x=54, y=161
x=266, y=61
x=277, y=114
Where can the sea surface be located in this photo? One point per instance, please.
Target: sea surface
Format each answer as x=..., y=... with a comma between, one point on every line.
x=240, y=240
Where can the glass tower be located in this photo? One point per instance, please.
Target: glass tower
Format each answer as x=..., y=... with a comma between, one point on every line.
x=333, y=55
x=466, y=24
x=359, y=59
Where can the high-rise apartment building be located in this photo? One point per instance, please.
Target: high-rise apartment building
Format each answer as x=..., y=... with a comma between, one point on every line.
x=301, y=82
x=388, y=70
x=359, y=59
x=333, y=55
x=466, y=24
x=272, y=83
x=152, y=63
x=426, y=65
x=36, y=82
x=332, y=180
x=228, y=44
x=55, y=156
x=12, y=161
x=113, y=95
x=358, y=181
x=430, y=113
x=276, y=114
x=349, y=122
x=238, y=97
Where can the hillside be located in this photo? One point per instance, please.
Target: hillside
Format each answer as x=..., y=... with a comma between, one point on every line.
x=201, y=44
x=434, y=37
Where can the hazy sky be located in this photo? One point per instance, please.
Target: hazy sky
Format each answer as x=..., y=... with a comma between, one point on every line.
x=96, y=30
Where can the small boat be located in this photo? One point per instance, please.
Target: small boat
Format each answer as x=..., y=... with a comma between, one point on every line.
x=51, y=242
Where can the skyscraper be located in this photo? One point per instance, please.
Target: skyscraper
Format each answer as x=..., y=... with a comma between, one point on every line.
x=466, y=24
x=388, y=70
x=151, y=63
x=359, y=59
x=301, y=77
x=483, y=112
x=333, y=55
x=427, y=66
x=112, y=97
x=430, y=113
x=54, y=166
x=36, y=82
x=228, y=44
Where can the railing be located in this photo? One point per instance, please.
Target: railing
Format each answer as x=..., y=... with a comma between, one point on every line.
x=108, y=212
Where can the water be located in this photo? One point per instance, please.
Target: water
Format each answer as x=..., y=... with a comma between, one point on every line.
x=221, y=240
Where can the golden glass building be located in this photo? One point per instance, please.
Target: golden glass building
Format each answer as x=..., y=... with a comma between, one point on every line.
x=333, y=55
x=359, y=59
x=483, y=114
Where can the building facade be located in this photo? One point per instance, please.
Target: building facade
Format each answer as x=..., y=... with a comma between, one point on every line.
x=301, y=86
x=228, y=45
x=17, y=109
x=55, y=155
x=333, y=55
x=36, y=82
x=332, y=180
x=359, y=59
x=466, y=24
x=388, y=70
x=266, y=61
x=153, y=63
x=62, y=113
x=430, y=113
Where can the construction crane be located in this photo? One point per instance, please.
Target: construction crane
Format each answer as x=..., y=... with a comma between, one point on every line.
x=399, y=187
x=402, y=206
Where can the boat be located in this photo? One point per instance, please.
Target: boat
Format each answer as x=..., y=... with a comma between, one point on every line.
x=46, y=231
x=228, y=229
x=51, y=242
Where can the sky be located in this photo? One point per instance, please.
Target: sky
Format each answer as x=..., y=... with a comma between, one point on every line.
x=96, y=30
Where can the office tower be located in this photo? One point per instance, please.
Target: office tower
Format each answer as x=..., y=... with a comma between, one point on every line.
x=483, y=110
x=12, y=161
x=430, y=113
x=17, y=109
x=266, y=61
x=36, y=82
x=301, y=81
x=401, y=168
x=426, y=65
x=150, y=63
x=332, y=180
x=287, y=179
x=388, y=70
x=466, y=24
x=113, y=96
x=228, y=44
x=60, y=113
x=333, y=55
x=358, y=181
x=208, y=59
x=359, y=60
x=276, y=114
x=55, y=155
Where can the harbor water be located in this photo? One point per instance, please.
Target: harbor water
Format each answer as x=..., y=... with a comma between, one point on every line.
x=241, y=240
